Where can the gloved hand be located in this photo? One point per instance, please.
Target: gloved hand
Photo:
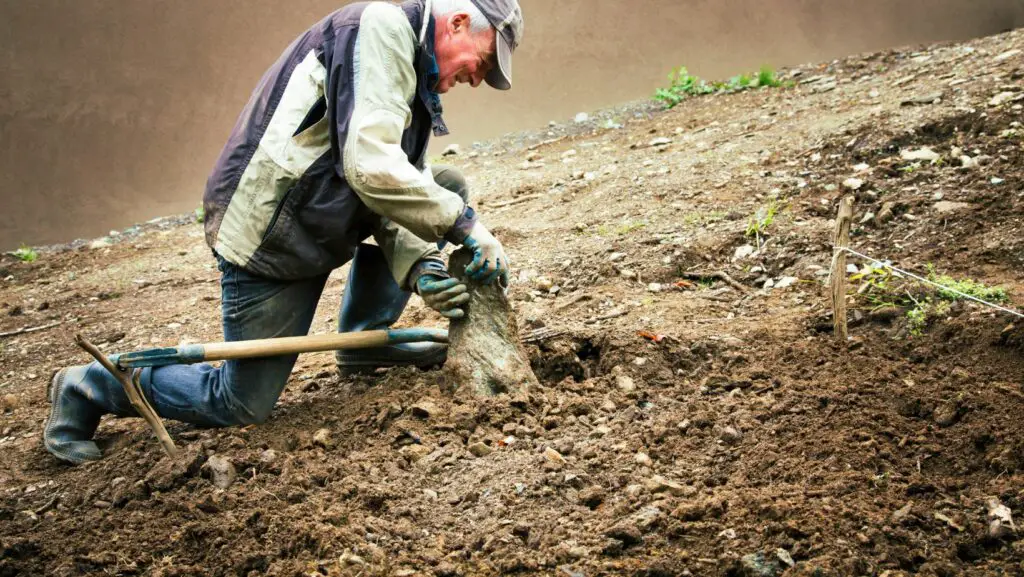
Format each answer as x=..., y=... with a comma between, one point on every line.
x=443, y=293
x=489, y=260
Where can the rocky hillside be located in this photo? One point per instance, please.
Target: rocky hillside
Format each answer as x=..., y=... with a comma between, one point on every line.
x=696, y=416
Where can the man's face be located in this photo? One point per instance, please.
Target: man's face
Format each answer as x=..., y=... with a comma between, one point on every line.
x=462, y=56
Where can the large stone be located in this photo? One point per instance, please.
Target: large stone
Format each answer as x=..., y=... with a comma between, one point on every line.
x=222, y=471
x=924, y=154
x=759, y=565
x=946, y=207
x=485, y=355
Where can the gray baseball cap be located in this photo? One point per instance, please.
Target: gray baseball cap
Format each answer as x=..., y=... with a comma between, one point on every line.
x=507, y=19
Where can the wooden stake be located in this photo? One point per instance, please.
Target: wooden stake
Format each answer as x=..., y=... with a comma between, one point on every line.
x=841, y=240
x=133, y=388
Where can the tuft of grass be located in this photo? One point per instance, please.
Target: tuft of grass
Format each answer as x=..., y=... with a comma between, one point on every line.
x=763, y=218
x=766, y=77
x=26, y=253
x=683, y=85
x=200, y=215
x=967, y=286
x=881, y=287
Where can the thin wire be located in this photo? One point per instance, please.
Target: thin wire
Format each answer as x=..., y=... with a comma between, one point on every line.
x=838, y=249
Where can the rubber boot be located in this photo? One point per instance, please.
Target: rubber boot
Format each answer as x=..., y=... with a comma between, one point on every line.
x=374, y=301
x=79, y=396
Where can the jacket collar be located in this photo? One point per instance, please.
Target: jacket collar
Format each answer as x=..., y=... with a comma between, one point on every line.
x=428, y=75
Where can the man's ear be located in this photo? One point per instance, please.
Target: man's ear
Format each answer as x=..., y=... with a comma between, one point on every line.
x=459, y=22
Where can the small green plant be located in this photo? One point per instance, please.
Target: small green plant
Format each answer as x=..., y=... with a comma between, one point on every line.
x=766, y=77
x=200, y=215
x=681, y=85
x=763, y=218
x=26, y=253
x=882, y=288
x=967, y=286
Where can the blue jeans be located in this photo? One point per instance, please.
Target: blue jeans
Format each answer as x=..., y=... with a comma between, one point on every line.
x=240, y=392
x=244, y=392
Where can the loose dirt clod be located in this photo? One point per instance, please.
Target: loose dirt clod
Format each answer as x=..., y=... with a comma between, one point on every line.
x=485, y=355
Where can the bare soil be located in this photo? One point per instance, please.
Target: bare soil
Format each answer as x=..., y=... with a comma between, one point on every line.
x=681, y=428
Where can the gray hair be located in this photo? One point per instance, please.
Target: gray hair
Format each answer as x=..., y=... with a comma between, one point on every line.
x=477, y=21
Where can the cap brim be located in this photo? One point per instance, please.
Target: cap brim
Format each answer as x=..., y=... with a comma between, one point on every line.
x=500, y=76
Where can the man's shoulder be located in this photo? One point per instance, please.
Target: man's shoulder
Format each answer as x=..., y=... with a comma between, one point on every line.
x=387, y=20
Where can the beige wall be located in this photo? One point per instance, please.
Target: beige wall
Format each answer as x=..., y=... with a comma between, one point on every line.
x=112, y=111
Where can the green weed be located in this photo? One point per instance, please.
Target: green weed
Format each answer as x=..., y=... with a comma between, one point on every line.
x=967, y=286
x=200, y=215
x=763, y=218
x=26, y=253
x=683, y=85
x=881, y=288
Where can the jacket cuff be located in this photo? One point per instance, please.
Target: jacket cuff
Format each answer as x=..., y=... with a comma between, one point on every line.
x=463, y=226
x=429, y=265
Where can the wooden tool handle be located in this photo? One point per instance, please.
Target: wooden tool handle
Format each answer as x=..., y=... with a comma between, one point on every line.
x=295, y=345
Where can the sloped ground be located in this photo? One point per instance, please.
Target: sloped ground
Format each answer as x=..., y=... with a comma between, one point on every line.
x=744, y=441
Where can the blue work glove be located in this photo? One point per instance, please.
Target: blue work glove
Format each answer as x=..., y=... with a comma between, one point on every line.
x=489, y=260
x=443, y=293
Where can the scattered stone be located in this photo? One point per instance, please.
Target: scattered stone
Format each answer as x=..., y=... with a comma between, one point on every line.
x=925, y=154
x=616, y=256
x=480, y=450
x=600, y=431
x=553, y=456
x=222, y=471
x=868, y=217
x=654, y=287
x=659, y=484
x=581, y=118
x=1002, y=98
x=451, y=150
x=731, y=436
x=886, y=213
x=743, y=252
x=1000, y=520
x=626, y=532
x=901, y=514
x=430, y=494
x=643, y=459
x=543, y=283
x=592, y=497
x=425, y=409
x=1007, y=55
x=946, y=207
x=786, y=282
x=947, y=414
x=269, y=456
x=100, y=243
x=785, y=557
x=625, y=383
x=759, y=565
x=660, y=142
x=997, y=180
x=351, y=559
x=322, y=438
x=933, y=98
x=968, y=162
x=853, y=183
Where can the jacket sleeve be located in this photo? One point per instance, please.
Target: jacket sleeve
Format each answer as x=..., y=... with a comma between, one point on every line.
x=374, y=163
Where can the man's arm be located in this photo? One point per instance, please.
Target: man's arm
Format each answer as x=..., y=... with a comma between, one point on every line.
x=374, y=163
